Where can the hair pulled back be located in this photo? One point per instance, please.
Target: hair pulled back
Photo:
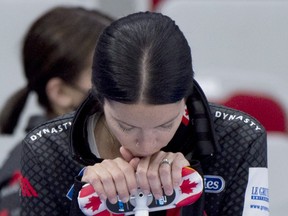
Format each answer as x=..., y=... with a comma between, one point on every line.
x=58, y=44
x=143, y=57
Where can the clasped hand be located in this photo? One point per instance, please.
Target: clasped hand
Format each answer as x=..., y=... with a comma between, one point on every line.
x=123, y=175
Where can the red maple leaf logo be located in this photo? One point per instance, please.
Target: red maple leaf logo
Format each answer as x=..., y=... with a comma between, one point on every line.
x=187, y=186
x=185, y=117
x=94, y=203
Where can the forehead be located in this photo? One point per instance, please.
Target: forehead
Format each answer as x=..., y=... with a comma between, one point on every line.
x=142, y=115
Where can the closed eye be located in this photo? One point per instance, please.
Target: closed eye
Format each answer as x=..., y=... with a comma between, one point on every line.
x=126, y=128
x=166, y=126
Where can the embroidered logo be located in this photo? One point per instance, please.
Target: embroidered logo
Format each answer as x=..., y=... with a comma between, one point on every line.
x=57, y=129
x=237, y=117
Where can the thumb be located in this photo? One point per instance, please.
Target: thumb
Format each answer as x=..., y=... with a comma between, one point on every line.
x=134, y=162
x=126, y=154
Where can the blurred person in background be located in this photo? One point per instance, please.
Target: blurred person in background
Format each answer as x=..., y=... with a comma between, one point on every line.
x=58, y=70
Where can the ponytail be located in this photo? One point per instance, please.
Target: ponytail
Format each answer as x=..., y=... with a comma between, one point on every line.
x=12, y=110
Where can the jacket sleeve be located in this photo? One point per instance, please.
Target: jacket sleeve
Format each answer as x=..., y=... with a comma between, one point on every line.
x=247, y=191
x=37, y=195
x=256, y=200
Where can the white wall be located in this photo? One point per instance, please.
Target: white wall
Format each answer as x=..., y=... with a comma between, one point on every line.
x=236, y=44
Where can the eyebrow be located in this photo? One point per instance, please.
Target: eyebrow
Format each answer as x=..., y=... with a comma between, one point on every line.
x=169, y=121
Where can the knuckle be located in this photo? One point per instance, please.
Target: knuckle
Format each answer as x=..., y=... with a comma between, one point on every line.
x=141, y=172
x=88, y=170
x=94, y=181
x=118, y=177
x=178, y=155
x=127, y=169
x=152, y=176
x=106, y=162
x=164, y=172
x=106, y=180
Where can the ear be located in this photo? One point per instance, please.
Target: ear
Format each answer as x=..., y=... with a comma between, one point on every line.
x=58, y=95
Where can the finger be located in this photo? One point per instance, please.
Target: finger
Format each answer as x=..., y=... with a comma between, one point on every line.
x=126, y=154
x=90, y=176
x=178, y=163
x=153, y=175
x=165, y=171
x=134, y=163
x=141, y=175
x=118, y=179
x=128, y=177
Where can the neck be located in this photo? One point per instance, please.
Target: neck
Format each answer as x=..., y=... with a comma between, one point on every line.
x=108, y=146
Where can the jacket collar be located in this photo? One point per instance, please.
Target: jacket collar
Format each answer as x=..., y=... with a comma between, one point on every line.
x=203, y=136
x=203, y=123
x=79, y=145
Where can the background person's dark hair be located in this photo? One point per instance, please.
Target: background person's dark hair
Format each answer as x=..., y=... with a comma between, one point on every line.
x=58, y=44
x=143, y=57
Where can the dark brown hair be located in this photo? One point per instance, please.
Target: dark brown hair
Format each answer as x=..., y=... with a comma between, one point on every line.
x=58, y=44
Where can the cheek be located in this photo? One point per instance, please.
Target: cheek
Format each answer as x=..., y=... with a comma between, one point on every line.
x=163, y=140
x=128, y=141
x=167, y=137
x=125, y=140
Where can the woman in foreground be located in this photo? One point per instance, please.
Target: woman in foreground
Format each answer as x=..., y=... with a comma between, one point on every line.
x=144, y=120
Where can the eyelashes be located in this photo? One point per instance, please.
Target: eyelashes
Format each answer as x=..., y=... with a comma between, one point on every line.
x=129, y=129
x=125, y=129
x=167, y=126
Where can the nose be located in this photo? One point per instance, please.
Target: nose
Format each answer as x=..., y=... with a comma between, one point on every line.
x=147, y=142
